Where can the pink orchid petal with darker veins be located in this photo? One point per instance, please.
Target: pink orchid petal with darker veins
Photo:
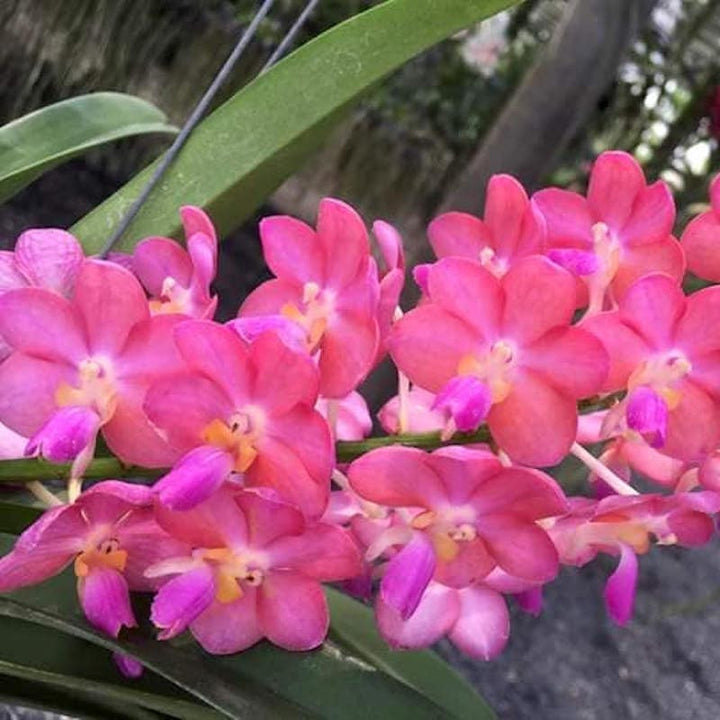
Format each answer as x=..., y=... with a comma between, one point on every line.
x=652, y=217
x=390, y=243
x=306, y=434
x=664, y=256
x=539, y=296
x=110, y=301
x=516, y=225
x=10, y=277
x=157, y=258
x=483, y=625
x=428, y=344
x=217, y=522
x=653, y=307
x=349, y=347
x=462, y=470
x=520, y=548
x=12, y=445
x=282, y=377
x=396, y=476
x=458, y=234
x=695, y=334
x=292, y=250
x=218, y=352
x=183, y=405
x=280, y=466
x=227, y=628
x=44, y=549
x=571, y=359
x=701, y=238
x=436, y=614
x=616, y=180
x=694, y=425
x=536, y=424
x=625, y=346
x=43, y=324
x=250, y=328
x=105, y=600
x=270, y=297
x=344, y=241
x=292, y=610
x=49, y=258
x=322, y=552
x=28, y=391
x=473, y=562
x=568, y=218
x=461, y=286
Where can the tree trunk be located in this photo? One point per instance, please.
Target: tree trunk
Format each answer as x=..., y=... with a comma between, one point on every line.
x=555, y=99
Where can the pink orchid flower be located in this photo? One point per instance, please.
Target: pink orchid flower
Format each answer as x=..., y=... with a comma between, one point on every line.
x=254, y=571
x=623, y=525
x=512, y=229
x=627, y=451
x=325, y=282
x=46, y=258
x=178, y=280
x=351, y=416
x=701, y=239
x=241, y=409
x=111, y=537
x=418, y=408
x=474, y=618
x=85, y=364
x=392, y=279
x=503, y=349
x=663, y=352
x=463, y=514
x=622, y=231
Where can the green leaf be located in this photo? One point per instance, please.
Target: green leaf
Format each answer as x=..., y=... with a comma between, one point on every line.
x=353, y=626
x=53, y=659
x=16, y=516
x=18, y=691
x=263, y=682
x=35, y=143
x=239, y=154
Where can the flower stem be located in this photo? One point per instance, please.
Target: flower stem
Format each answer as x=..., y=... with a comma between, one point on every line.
x=602, y=470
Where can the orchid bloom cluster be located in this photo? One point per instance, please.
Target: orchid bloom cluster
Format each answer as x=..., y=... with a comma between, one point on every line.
x=552, y=325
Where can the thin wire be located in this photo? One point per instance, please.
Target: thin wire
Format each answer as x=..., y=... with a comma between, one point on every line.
x=189, y=125
x=281, y=49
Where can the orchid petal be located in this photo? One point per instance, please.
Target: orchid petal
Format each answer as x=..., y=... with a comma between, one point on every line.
x=483, y=626
x=292, y=611
x=407, y=575
x=105, y=600
x=621, y=585
x=181, y=600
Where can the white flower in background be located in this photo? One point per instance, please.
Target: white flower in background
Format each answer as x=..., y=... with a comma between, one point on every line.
x=482, y=46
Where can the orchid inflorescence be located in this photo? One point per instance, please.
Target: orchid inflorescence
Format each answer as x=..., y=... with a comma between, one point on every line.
x=549, y=307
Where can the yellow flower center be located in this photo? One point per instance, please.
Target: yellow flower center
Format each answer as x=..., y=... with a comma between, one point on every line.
x=317, y=306
x=237, y=436
x=494, y=368
x=95, y=388
x=231, y=571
